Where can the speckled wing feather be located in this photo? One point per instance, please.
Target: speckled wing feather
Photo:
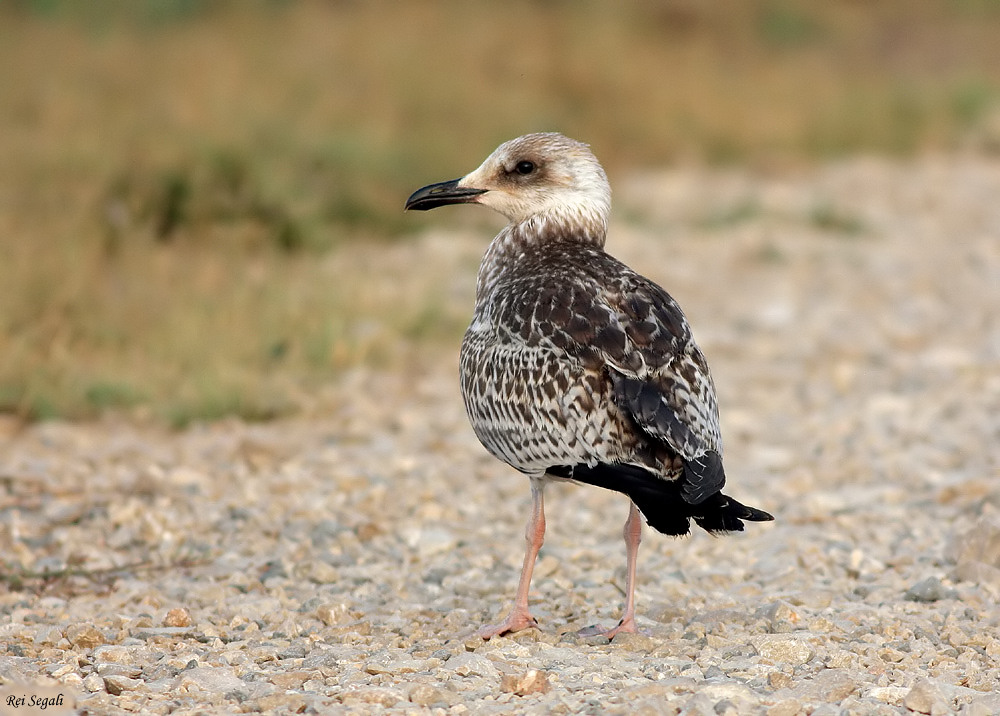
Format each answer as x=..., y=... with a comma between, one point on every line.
x=609, y=357
x=671, y=396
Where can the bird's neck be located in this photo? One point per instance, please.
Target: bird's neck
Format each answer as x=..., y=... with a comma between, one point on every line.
x=523, y=237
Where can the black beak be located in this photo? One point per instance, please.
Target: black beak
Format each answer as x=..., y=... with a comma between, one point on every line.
x=440, y=194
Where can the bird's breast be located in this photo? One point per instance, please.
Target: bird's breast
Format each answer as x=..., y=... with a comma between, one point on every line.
x=534, y=407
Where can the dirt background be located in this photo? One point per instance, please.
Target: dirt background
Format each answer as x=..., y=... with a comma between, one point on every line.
x=340, y=560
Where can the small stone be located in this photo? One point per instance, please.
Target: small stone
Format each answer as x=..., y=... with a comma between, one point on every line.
x=57, y=671
x=840, y=659
x=926, y=698
x=782, y=649
x=84, y=636
x=725, y=708
x=469, y=664
x=108, y=669
x=161, y=686
x=779, y=680
x=635, y=642
x=386, y=662
x=777, y=613
x=532, y=681
x=115, y=684
x=888, y=694
x=833, y=685
x=280, y=702
x=331, y=614
x=831, y=710
x=170, y=632
x=376, y=696
x=714, y=672
x=662, y=690
x=426, y=695
x=73, y=680
x=289, y=680
x=207, y=678
x=93, y=683
x=788, y=707
x=48, y=636
x=983, y=706
x=698, y=705
x=431, y=540
x=177, y=617
x=379, y=663
x=929, y=590
x=366, y=531
x=113, y=654
x=472, y=643
x=319, y=572
x=361, y=627
x=980, y=543
x=977, y=573
x=893, y=656
x=273, y=570
x=742, y=698
x=292, y=651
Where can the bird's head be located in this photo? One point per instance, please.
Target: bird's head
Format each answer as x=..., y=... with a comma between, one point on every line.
x=537, y=175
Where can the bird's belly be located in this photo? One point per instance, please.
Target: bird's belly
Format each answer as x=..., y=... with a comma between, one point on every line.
x=534, y=408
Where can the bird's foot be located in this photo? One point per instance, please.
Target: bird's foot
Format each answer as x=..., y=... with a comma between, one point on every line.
x=624, y=626
x=516, y=621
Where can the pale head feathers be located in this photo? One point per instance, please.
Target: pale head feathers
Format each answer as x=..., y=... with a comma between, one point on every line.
x=546, y=183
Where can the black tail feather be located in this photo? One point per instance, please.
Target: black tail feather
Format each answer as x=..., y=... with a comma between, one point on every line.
x=728, y=515
x=661, y=501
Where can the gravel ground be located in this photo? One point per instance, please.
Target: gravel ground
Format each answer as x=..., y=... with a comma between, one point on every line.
x=340, y=561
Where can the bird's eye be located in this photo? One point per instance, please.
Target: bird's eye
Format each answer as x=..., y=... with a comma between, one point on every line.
x=524, y=167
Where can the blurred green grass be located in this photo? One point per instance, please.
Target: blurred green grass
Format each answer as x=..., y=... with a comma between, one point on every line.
x=200, y=201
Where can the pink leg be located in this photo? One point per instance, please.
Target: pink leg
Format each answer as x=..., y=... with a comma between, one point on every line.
x=519, y=617
x=633, y=536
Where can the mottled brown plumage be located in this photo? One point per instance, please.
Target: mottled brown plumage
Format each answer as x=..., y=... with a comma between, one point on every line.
x=575, y=366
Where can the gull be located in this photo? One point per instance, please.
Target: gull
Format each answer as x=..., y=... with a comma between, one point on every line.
x=575, y=367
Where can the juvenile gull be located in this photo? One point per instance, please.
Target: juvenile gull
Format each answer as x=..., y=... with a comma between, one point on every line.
x=575, y=367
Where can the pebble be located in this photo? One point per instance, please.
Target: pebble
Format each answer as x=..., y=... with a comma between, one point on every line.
x=431, y=541
x=926, y=698
x=385, y=662
x=781, y=649
x=110, y=669
x=929, y=590
x=84, y=636
x=49, y=636
x=386, y=697
x=531, y=681
x=114, y=684
x=170, y=632
x=833, y=685
x=94, y=682
x=470, y=664
x=427, y=695
x=888, y=694
x=206, y=678
x=177, y=617
x=979, y=543
x=983, y=706
x=116, y=654
x=787, y=707
x=290, y=680
x=331, y=614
